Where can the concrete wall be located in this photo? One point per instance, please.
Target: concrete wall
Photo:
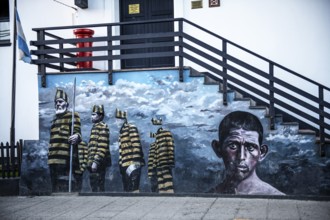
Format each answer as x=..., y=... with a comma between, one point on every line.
x=192, y=112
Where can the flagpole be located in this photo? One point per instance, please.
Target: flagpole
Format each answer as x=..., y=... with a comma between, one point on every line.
x=13, y=92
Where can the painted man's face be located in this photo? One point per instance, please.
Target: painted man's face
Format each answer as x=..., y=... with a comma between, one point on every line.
x=241, y=153
x=96, y=117
x=60, y=106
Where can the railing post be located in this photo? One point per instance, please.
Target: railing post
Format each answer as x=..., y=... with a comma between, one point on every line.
x=110, y=67
x=321, y=119
x=19, y=156
x=41, y=67
x=271, y=99
x=224, y=70
x=7, y=158
x=2, y=151
x=180, y=50
x=61, y=57
x=12, y=160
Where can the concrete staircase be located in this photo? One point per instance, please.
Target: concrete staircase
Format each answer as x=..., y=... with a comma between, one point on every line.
x=284, y=123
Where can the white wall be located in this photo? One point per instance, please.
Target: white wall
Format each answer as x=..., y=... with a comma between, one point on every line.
x=294, y=33
x=32, y=16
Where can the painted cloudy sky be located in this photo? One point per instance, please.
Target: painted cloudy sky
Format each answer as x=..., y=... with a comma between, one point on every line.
x=187, y=109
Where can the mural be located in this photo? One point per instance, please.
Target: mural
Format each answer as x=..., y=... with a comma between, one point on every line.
x=188, y=114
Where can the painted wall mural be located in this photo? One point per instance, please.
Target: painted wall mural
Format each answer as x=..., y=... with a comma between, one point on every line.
x=183, y=139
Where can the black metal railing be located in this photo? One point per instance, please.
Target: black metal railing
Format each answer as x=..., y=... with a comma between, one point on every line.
x=10, y=160
x=234, y=66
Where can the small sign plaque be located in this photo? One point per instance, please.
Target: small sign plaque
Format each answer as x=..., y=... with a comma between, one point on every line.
x=196, y=4
x=134, y=9
x=214, y=3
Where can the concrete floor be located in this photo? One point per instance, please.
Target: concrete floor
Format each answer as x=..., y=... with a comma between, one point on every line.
x=74, y=206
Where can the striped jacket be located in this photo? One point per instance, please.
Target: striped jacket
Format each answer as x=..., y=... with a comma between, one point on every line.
x=130, y=149
x=164, y=155
x=82, y=156
x=152, y=160
x=98, y=146
x=60, y=131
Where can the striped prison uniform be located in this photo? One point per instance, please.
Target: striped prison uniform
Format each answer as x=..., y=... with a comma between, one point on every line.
x=164, y=159
x=152, y=171
x=130, y=152
x=82, y=156
x=99, y=153
x=59, y=148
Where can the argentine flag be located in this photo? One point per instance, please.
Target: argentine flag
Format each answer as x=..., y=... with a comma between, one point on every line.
x=24, y=53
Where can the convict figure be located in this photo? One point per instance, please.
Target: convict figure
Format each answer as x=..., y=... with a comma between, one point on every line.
x=131, y=157
x=99, y=158
x=164, y=159
x=59, y=145
x=152, y=169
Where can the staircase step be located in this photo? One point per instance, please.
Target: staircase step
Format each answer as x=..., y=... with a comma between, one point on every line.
x=288, y=128
x=228, y=89
x=243, y=103
x=278, y=118
x=324, y=149
x=246, y=101
x=195, y=73
x=326, y=140
x=290, y=123
x=260, y=107
x=209, y=80
x=238, y=95
x=242, y=99
x=306, y=132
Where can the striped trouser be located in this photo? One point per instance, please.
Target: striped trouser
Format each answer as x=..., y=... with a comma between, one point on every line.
x=165, y=180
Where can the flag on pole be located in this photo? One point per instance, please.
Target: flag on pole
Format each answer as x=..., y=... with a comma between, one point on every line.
x=24, y=53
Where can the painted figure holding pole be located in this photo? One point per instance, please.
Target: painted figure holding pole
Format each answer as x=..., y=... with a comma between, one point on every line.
x=65, y=135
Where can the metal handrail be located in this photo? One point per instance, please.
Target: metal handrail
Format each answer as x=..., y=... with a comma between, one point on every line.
x=57, y=53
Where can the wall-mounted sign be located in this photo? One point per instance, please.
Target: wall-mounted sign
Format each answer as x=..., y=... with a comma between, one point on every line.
x=134, y=9
x=81, y=3
x=214, y=3
x=196, y=4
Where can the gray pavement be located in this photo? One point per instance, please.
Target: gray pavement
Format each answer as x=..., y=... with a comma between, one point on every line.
x=73, y=206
